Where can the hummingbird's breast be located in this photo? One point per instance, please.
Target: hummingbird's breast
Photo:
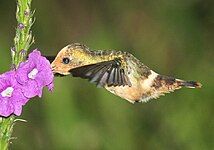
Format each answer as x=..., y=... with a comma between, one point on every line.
x=141, y=90
x=134, y=92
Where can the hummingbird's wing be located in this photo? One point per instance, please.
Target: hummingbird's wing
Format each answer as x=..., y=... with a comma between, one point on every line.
x=108, y=73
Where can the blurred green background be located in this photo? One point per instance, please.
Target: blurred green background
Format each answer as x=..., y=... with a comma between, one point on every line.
x=173, y=37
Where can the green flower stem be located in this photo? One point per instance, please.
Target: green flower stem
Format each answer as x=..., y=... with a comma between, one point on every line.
x=6, y=129
x=23, y=39
x=22, y=42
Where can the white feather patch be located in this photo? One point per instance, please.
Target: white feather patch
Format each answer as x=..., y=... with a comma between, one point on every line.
x=147, y=83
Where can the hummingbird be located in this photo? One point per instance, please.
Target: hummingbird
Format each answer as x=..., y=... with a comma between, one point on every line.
x=119, y=72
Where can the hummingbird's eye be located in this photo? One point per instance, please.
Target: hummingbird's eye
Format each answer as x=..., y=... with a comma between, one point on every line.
x=66, y=60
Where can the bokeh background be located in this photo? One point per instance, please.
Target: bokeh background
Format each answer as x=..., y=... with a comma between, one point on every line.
x=173, y=37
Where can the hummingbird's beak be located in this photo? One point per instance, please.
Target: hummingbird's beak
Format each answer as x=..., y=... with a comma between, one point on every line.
x=50, y=58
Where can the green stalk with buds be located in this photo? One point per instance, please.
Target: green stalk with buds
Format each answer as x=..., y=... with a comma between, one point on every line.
x=23, y=39
x=22, y=42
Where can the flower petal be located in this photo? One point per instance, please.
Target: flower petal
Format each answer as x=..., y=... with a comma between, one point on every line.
x=23, y=70
x=51, y=87
x=44, y=78
x=30, y=89
x=18, y=97
x=33, y=56
x=6, y=108
x=17, y=110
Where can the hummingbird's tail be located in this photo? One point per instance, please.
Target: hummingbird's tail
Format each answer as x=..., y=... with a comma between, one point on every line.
x=164, y=84
x=156, y=85
x=189, y=84
x=170, y=83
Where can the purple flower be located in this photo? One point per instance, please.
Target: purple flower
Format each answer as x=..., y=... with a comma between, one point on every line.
x=18, y=86
x=11, y=96
x=34, y=74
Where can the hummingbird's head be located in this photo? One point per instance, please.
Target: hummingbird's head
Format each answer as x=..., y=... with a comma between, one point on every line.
x=68, y=58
